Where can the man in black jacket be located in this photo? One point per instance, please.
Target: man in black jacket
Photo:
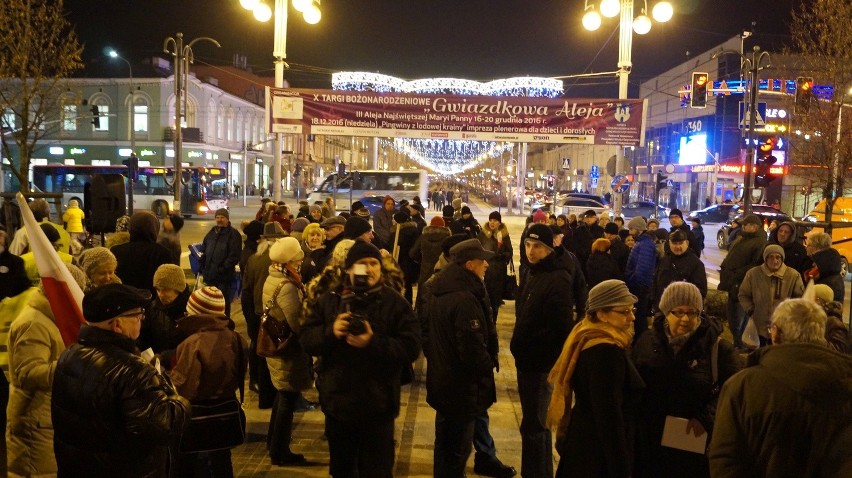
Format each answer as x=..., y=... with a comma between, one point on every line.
x=676, y=220
x=544, y=318
x=679, y=264
x=462, y=354
x=585, y=235
x=112, y=410
x=139, y=259
x=221, y=250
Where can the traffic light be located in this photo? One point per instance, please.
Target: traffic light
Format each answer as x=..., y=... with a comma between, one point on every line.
x=699, y=89
x=96, y=116
x=763, y=176
x=662, y=181
x=132, y=164
x=804, y=94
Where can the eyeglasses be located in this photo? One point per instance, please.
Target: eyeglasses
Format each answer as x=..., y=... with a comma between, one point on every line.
x=625, y=312
x=133, y=315
x=692, y=314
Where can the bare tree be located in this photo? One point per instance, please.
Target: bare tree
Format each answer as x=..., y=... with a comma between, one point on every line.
x=822, y=39
x=38, y=50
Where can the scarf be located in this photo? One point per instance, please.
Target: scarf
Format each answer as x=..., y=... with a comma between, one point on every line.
x=585, y=335
x=290, y=274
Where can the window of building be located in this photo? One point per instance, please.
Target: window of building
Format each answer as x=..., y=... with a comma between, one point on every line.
x=140, y=116
x=69, y=117
x=103, y=118
x=8, y=120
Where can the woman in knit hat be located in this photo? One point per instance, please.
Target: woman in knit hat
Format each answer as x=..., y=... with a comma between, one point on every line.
x=167, y=307
x=315, y=213
x=291, y=372
x=209, y=367
x=596, y=437
x=676, y=361
x=99, y=264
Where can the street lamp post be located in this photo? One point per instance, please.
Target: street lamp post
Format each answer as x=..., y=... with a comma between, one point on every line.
x=184, y=57
x=311, y=14
x=114, y=54
x=641, y=24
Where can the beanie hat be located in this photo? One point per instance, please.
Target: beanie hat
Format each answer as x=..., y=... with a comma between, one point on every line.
x=361, y=250
x=177, y=221
x=677, y=236
x=355, y=226
x=676, y=212
x=540, y=233
x=751, y=219
x=590, y=213
x=447, y=211
x=206, y=301
x=457, y=203
x=356, y=206
x=465, y=210
x=661, y=234
x=253, y=231
x=611, y=228
x=696, y=220
x=314, y=207
x=273, y=230
x=773, y=249
x=681, y=293
x=403, y=203
x=144, y=223
x=78, y=275
x=539, y=216
x=601, y=245
x=286, y=250
x=437, y=221
x=469, y=250
x=73, y=203
x=49, y=231
x=609, y=293
x=299, y=224
x=341, y=250
x=95, y=258
x=637, y=223
x=824, y=292
x=556, y=230
x=654, y=220
x=401, y=217
x=170, y=276
x=451, y=241
x=223, y=212
x=495, y=215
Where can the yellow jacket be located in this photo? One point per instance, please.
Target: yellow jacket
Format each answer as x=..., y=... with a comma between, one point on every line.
x=73, y=219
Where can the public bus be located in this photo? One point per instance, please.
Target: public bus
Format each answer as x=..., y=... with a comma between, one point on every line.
x=369, y=185
x=204, y=189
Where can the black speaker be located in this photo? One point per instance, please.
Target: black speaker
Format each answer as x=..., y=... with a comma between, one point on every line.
x=105, y=199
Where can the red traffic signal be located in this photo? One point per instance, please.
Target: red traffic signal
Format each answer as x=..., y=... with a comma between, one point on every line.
x=699, y=89
x=804, y=94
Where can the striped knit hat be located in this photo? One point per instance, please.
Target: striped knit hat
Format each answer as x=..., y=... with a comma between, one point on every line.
x=206, y=301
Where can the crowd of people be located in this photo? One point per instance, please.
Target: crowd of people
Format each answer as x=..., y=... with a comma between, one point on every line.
x=620, y=368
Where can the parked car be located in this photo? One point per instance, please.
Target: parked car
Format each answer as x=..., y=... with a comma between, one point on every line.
x=714, y=213
x=646, y=209
x=765, y=216
x=578, y=206
x=763, y=210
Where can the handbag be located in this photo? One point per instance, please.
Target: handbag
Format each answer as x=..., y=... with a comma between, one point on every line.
x=510, y=287
x=216, y=424
x=274, y=335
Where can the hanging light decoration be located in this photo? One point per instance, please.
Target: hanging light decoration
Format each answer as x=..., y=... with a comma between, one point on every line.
x=447, y=156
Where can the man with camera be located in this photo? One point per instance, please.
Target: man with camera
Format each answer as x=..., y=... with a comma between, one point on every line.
x=365, y=334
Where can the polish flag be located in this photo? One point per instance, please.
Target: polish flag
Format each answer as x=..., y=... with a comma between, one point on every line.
x=62, y=291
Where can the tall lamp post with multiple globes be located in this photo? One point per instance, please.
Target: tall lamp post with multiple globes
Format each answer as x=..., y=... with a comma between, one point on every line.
x=312, y=15
x=114, y=54
x=628, y=23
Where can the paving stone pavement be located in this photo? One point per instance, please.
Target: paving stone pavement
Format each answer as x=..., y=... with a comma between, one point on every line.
x=415, y=426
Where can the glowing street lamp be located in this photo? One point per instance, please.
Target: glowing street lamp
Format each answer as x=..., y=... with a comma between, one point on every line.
x=114, y=54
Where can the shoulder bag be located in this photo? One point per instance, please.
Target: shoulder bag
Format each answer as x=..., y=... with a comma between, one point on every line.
x=510, y=287
x=274, y=335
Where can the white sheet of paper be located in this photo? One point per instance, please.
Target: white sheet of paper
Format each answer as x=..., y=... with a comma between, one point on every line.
x=675, y=436
x=148, y=354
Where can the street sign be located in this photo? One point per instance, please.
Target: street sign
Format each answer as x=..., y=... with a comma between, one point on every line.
x=759, y=120
x=594, y=172
x=620, y=184
x=566, y=163
x=669, y=183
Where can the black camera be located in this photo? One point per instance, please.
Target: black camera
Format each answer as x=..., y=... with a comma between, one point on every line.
x=357, y=324
x=354, y=300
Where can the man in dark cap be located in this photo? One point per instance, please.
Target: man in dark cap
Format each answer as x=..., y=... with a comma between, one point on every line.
x=676, y=220
x=221, y=250
x=461, y=353
x=743, y=254
x=544, y=312
x=366, y=334
x=112, y=410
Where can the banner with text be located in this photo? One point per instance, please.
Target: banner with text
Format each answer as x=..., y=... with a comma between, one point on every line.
x=477, y=118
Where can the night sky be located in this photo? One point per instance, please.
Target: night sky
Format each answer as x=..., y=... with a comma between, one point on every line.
x=473, y=39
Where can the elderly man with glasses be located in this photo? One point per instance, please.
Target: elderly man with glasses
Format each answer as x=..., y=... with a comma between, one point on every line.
x=111, y=409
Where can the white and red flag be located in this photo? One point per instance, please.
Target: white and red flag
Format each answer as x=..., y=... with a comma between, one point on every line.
x=62, y=291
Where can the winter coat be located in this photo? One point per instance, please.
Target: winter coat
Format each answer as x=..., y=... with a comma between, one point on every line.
x=787, y=415
x=599, y=440
x=584, y=236
x=362, y=384
x=105, y=393
x=73, y=219
x=211, y=361
x=828, y=263
x=795, y=253
x=698, y=232
x=427, y=250
x=382, y=222
x=761, y=291
x=139, y=259
x=290, y=372
x=160, y=325
x=171, y=241
x=619, y=251
x=495, y=275
x=544, y=314
x=673, y=268
x=743, y=254
x=570, y=263
x=681, y=385
x=641, y=264
x=254, y=276
x=462, y=345
x=602, y=266
x=470, y=226
x=408, y=235
x=34, y=347
x=221, y=249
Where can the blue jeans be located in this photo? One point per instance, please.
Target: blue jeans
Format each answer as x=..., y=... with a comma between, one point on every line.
x=536, y=440
x=483, y=442
x=736, y=320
